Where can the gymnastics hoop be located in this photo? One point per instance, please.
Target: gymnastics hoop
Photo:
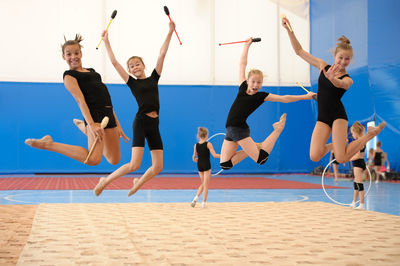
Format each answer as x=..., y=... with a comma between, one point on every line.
x=217, y=134
x=337, y=202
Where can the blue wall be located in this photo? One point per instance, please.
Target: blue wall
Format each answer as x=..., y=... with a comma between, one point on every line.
x=31, y=110
x=372, y=28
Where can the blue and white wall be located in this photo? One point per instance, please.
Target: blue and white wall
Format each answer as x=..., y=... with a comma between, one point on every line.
x=199, y=80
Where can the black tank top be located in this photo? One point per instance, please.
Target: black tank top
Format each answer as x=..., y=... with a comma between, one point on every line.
x=203, y=152
x=93, y=89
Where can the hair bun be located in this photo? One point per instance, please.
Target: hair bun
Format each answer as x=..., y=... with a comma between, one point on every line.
x=343, y=40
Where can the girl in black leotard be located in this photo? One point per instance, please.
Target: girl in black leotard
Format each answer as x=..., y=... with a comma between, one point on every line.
x=378, y=160
x=203, y=149
x=357, y=130
x=333, y=82
x=94, y=101
x=145, y=125
x=248, y=99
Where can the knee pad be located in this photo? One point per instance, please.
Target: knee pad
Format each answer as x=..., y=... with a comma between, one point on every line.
x=360, y=186
x=355, y=186
x=262, y=157
x=226, y=165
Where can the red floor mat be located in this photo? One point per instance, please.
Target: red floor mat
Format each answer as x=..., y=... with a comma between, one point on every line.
x=84, y=183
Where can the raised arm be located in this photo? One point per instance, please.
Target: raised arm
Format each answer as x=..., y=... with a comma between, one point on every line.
x=194, y=154
x=289, y=98
x=243, y=60
x=72, y=86
x=211, y=148
x=306, y=56
x=164, y=48
x=121, y=71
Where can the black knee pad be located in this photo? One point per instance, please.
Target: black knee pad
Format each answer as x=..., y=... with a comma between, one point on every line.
x=360, y=186
x=226, y=165
x=355, y=186
x=262, y=157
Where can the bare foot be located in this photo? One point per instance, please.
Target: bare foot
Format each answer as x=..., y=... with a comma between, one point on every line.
x=80, y=125
x=280, y=125
x=39, y=143
x=100, y=186
x=135, y=180
x=373, y=131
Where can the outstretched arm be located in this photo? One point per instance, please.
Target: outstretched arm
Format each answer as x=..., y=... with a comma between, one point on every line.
x=121, y=71
x=194, y=154
x=164, y=48
x=289, y=98
x=211, y=148
x=243, y=60
x=306, y=56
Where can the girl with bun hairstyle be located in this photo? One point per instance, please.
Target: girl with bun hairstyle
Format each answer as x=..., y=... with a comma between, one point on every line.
x=332, y=119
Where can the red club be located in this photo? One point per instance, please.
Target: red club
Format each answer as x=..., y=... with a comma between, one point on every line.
x=166, y=10
x=254, y=40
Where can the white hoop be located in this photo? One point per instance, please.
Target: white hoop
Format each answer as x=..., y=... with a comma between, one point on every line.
x=217, y=134
x=337, y=202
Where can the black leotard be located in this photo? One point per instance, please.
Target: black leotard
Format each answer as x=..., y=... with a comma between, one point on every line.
x=203, y=155
x=378, y=158
x=330, y=106
x=96, y=95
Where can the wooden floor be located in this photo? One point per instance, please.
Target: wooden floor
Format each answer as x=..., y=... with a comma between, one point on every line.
x=268, y=233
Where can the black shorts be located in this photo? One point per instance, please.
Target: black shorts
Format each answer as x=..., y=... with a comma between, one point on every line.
x=99, y=113
x=203, y=166
x=146, y=127
x=237, y=133
x=360, y=163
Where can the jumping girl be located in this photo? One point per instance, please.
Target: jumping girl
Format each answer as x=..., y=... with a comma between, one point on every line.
x=145, y=126
x=203, y=149
x=248, y=99
x=94, y=101
x=333, y=82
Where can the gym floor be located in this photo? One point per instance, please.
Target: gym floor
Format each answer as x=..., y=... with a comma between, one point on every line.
x=383, y=197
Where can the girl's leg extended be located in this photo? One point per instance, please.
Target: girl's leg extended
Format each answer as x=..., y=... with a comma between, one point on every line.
x=319, y=138
x=112, y=150
x=72, y=151
x=154, y=169
x=133, y=165
x=229, y=155
x=344, y=153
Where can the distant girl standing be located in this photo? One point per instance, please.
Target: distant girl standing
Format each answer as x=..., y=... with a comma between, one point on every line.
x=357, y=130
x=202, y=149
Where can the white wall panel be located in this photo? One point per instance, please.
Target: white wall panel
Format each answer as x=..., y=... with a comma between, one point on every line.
x=33, y=31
